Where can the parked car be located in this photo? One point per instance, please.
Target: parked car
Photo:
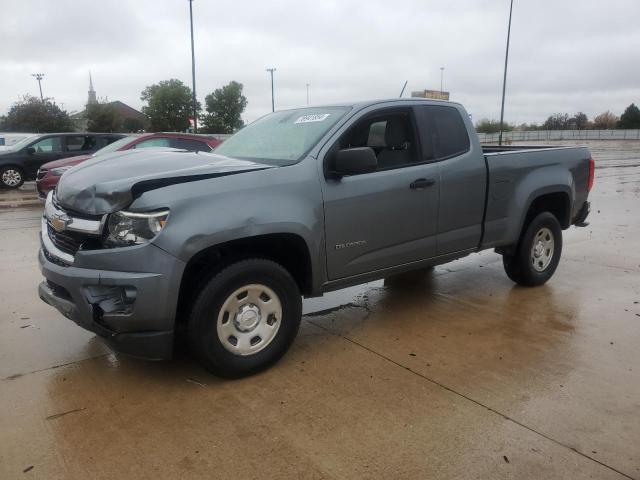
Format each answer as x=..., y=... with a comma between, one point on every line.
x=221, y=246
x=49, y=174
x=9, y=139
x=21, y=161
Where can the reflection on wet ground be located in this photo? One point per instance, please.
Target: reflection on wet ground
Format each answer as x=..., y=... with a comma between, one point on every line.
x=449, y=373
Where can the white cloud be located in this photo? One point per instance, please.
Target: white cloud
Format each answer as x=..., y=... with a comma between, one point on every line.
x=566, y=55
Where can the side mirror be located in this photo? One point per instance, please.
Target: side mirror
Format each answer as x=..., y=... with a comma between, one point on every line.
x=31, y=150
x=354, y=161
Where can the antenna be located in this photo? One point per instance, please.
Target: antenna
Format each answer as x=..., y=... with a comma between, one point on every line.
x=403, y=87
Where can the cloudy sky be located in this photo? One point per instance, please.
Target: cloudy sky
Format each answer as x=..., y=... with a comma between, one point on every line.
x=566, y=55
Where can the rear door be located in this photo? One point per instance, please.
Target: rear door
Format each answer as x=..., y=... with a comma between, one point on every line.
x=387, y=217
x=462, y=176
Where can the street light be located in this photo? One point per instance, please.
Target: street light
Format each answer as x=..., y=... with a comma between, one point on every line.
x=193, y=71
x=273, y=105
x=307, y=94
x=504, y=80
x=441, y=78
x=39, y=77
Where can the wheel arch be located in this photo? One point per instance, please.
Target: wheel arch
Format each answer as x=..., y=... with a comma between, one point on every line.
x=16, y=165
x=287, y=249
x=557, y=202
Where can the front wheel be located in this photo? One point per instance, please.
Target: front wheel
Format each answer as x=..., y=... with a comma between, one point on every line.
x=245, y=318
x=538, y=252
x=11, y=177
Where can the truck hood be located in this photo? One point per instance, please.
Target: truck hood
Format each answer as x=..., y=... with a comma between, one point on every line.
x=109, y=183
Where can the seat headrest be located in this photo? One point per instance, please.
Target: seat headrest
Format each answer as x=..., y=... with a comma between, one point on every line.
x=396, y=135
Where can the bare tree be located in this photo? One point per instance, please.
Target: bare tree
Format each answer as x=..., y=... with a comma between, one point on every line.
x=605, y=121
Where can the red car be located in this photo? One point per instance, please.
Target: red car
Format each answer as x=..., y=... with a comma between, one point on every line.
x=49, y=173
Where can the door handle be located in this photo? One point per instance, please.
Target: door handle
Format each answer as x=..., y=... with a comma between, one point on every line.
x=422, y=183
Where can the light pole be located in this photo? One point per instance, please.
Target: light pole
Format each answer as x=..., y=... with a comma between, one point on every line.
x=307, y=94
x=39, y=77
x=193, y=72
x=441, y=79
x=273, y=105
x=504, y=79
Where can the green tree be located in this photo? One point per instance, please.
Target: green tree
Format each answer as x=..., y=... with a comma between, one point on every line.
x=580, y=121
x=103, y=117
x=630, y=118
x=557, y=121
x=30, y=114
x=491, y=126
x=168, y=106
x=224, y=109
x=132, y=125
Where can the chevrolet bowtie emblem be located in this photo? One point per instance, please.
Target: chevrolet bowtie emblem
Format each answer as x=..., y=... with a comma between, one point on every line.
x=59, y=221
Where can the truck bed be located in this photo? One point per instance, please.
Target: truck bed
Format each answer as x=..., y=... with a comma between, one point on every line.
x=488, y=149
x=517, y=174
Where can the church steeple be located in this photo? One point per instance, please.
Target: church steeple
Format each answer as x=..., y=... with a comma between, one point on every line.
x=92, y=93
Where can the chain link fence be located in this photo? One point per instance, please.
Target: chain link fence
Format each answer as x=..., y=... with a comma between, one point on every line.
x=550, y=135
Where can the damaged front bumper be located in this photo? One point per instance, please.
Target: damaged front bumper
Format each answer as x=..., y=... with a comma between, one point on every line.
x=133, y=310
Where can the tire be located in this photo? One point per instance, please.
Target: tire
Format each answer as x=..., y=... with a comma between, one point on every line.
x=11, y=176
x=538, y=252
x=222, y=312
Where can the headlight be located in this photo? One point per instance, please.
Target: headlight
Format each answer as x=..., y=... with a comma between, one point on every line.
x=60, y=170
x=133, y=228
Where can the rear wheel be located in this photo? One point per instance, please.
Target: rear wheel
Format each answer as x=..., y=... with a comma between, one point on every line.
x=245, y=318
x=538, y=252
x=11, y=177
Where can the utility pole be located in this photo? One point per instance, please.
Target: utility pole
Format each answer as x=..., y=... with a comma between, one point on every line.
x=504, y=80
x=441, y=79
x=307, y=94
x=39, y=77
x=193, y=72
x=273, y=105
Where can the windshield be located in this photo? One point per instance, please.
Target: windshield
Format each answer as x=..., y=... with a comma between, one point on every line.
x=22, y=143
x=112, y=147
x=282, y=138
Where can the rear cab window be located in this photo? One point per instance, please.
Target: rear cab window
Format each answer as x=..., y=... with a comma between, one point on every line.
x=443, y=133
x=153, y=142
x=191, y=145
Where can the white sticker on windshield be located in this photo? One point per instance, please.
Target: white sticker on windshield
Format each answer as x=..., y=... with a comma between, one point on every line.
x=312, y=118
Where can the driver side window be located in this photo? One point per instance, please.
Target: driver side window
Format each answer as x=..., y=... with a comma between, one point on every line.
x=389, y=134
x=48, y=145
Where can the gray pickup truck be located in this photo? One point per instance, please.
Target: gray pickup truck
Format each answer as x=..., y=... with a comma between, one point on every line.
x=141, y=246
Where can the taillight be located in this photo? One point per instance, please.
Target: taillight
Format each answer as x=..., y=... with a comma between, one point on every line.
x=592, y=168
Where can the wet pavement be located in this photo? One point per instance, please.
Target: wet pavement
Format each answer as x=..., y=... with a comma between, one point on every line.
x=453, y=374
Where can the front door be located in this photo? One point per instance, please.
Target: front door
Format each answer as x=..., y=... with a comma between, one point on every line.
x=44, y=150
x=387, y=217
